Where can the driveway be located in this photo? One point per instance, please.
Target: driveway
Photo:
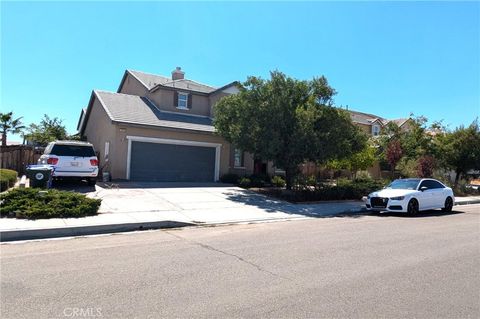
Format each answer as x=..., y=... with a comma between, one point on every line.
x=204, y=203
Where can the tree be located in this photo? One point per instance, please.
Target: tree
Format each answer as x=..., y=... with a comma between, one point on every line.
x=287, y=121
x=361, y=160
x=9, y=125
x=393, y=154
x=46, y=131
x=461, y=150
x=425, y=166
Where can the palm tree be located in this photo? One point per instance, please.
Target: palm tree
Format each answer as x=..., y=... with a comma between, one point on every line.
x=9, y=125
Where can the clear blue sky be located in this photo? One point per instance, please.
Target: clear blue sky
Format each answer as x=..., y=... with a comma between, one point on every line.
x=384, y=58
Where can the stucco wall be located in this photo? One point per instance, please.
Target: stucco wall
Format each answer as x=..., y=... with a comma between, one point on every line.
x=99, y=129
x=133, y=86
x=163, y=99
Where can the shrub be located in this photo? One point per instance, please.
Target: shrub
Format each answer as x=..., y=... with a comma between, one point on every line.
x=425, y=166
x=33, y=203
x=259, y=180
x=229, y=178
x=8, y=178
x=245, y=182
x=363, y=175
x=278, y=181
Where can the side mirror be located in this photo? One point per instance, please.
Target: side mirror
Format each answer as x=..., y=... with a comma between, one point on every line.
x=423, y=188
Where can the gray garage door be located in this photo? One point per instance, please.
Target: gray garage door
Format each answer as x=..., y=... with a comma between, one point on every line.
x=171, y=163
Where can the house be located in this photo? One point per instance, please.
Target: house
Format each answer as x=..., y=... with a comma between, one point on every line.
x=157, y=128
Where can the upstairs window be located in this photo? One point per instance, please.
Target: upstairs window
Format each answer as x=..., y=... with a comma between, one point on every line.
x=376, y=130
x=182, y=101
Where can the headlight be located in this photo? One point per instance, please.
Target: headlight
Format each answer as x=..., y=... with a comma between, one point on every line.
x=398, y=198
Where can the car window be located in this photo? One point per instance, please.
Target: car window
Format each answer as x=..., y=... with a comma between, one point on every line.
x=430, y=184
x=404, y=184
x=436, y=184
x=72, y=150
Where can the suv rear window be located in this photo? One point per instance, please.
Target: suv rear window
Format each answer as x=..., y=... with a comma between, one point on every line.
x=72, y=150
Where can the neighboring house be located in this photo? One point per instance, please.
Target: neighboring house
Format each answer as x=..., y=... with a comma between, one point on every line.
x=370, y=124
x=373, y=124
x=157, y=128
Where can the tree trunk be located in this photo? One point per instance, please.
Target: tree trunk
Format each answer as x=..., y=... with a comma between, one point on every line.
x=457, y=177
x=289, y=177
x=4, y=138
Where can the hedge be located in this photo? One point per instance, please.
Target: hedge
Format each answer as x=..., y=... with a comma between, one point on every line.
x=8, y=178
x=34, y=203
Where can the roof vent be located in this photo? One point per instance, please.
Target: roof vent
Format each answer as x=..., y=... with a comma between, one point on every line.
x=178, y=74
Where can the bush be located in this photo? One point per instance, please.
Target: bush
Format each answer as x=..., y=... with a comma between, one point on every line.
x=259, y=180
x=8, y=178
x=33, y=203
x=230, y=178
x=245, y=182
x=278, y=181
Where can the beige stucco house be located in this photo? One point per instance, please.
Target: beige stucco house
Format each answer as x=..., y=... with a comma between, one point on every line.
x=157, y=128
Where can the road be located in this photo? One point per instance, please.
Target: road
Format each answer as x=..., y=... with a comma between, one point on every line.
x=358, y=266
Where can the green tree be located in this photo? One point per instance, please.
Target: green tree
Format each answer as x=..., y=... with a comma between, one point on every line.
x=10, y=125
x=460, y=149
x=48, y=130
x=358, y=161
x=287, y=121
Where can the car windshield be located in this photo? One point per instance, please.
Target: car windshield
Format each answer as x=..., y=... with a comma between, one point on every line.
x=73, y=150
x=404, y=184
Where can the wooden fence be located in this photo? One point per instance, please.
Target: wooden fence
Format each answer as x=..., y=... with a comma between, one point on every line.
x=18, y=157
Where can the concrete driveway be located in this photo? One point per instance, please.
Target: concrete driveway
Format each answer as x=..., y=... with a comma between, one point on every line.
x=204, y=203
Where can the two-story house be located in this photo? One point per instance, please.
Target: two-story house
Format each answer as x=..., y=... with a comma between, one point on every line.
x=157, y=128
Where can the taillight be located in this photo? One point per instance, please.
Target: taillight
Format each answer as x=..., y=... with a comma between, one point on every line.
x=52, y=160
x=94, y=162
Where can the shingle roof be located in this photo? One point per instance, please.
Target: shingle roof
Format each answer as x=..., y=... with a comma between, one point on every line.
x=365, y=118
x=152, y=80
x=134, y=109
x=149, y=80
x=399, y=122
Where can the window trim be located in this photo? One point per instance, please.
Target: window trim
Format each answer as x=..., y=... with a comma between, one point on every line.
x=375, y=128
x=186, y=101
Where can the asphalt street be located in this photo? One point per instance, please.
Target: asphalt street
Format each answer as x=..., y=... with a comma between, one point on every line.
x=359, y=266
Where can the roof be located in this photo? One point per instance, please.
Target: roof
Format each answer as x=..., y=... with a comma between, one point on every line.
x=153, y=82
x=132, y=109
x=149, y=80
x=365, y=118
x=400, y=122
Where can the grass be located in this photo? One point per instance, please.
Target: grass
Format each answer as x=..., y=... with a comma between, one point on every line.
x=34, y=203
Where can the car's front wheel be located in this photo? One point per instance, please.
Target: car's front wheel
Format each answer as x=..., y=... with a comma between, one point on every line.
x=448, y=204
x=412, y=207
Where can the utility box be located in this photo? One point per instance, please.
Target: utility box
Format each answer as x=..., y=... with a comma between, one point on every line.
x=40, y=176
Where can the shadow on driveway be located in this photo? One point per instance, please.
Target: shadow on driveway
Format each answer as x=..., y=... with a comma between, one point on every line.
x=427, y=213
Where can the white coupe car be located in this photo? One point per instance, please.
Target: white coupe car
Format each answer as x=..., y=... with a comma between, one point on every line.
x=412, y=195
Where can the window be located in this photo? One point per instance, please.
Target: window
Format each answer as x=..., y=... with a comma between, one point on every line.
x=375, y=130
x=238, y=158
x=182, y=101
x=107, y=150
x=430, y=184
x=72, y=150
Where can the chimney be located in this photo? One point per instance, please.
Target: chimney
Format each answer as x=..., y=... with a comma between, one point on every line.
x=178, y=74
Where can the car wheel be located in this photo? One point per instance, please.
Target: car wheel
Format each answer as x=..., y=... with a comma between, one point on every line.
x=448, y=205
x=92, y=181
x=412, y=207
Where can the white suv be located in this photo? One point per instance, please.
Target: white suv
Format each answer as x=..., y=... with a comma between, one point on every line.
x=71, y=159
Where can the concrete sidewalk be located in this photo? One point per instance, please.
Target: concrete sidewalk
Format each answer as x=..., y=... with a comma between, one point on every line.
x=132, y=207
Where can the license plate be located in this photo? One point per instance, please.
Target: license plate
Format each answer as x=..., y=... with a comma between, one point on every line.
x=74, y=164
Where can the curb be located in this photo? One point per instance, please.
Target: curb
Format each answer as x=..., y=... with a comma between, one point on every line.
x=29, y=234
x=468, y=202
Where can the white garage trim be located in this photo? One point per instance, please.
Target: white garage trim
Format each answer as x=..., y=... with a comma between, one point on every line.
x=175, y=142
